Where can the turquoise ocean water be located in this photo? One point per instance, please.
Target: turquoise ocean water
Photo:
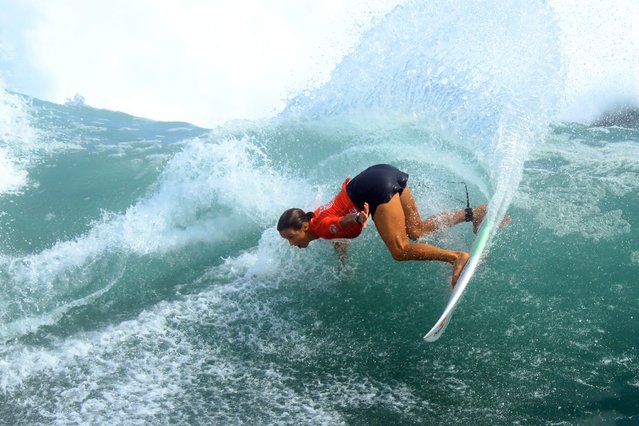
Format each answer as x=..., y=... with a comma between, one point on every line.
x=142, y=280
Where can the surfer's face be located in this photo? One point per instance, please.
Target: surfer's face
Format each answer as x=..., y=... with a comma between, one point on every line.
x=297, y=237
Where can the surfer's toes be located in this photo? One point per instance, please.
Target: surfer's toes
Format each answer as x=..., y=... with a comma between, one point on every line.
x=458, y=266
x=505, y=221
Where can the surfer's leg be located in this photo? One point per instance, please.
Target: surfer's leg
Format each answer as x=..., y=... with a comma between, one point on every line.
x=479, y=213
x=413, y=222
x=416, y=227
x=390, y=222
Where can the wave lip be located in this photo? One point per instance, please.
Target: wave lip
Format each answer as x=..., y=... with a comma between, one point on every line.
x=18, y=142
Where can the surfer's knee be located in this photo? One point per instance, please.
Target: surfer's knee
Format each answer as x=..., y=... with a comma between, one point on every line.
x=414, y=234
x=398, y=251
x=422, y=228
x=399, y=255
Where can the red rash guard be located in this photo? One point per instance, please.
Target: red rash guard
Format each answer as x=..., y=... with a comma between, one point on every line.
x=325, y=222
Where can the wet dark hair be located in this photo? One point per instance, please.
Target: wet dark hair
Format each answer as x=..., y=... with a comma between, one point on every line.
x=293, y=218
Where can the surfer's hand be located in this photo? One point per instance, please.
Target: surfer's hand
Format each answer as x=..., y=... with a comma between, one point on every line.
x=364, y=215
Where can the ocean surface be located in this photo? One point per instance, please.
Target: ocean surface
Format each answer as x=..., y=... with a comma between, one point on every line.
x=142, y=280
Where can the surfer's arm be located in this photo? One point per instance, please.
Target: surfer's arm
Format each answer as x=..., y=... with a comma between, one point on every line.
x=329, y=227
x=348, y=220
x=341, y=248
x=351, y=219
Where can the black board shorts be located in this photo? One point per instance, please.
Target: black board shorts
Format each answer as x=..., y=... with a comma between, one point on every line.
x=376, y=185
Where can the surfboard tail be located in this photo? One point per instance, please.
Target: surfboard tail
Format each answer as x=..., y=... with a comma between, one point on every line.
x=438, y=329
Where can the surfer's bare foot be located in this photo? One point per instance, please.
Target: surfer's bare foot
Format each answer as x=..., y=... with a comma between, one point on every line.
x=479, y=213
x=458, y=266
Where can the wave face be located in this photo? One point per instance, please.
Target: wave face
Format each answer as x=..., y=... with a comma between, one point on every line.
x=142, y=279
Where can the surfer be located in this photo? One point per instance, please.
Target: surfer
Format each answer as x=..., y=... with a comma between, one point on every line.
x=381, y=192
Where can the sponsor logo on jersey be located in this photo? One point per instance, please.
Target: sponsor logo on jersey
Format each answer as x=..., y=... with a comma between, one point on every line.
x=326, y=206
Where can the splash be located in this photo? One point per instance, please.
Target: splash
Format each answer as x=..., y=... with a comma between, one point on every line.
x=486, y=74
x=208, y=193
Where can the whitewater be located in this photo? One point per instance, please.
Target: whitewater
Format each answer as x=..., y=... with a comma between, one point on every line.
x=142, y=280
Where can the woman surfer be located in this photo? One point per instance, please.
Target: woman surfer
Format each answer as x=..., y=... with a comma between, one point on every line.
x=380, y=191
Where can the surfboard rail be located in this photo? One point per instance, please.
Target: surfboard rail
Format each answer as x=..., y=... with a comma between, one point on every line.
x=469, y=269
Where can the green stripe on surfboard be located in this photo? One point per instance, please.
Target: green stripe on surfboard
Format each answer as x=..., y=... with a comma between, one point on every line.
x=480, y=241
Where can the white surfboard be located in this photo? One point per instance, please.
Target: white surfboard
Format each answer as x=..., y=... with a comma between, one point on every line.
x=475, y=253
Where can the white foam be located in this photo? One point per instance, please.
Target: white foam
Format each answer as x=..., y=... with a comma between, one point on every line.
x=208, y=193
x=17, y=142
x=32, y=323
x=201, y=179
x=91, y=377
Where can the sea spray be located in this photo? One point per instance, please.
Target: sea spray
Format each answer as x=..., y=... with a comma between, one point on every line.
x=489, y=73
